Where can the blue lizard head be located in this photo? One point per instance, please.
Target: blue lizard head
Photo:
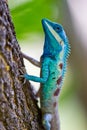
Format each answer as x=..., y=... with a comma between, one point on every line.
x=55, y=38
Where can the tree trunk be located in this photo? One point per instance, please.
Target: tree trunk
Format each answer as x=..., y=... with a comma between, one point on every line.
x=18, y=107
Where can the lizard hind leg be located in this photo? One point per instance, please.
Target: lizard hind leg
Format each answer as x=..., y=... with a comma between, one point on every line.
x=46, y=121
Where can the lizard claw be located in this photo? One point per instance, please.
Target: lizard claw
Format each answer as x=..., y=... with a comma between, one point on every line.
x=24, y=81
x=21, y=76
x=47, y=121
x=22, y=72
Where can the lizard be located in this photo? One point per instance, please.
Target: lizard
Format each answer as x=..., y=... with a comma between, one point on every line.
x=53, y=64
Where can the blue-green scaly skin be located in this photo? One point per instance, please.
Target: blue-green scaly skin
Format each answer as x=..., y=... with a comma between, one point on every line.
x=53, y=67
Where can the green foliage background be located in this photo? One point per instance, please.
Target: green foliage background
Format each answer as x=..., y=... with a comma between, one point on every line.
x=27, y=15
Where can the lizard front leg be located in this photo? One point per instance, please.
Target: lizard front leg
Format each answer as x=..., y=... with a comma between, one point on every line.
x=32, y=60
x=46, y=117
x=44, y=73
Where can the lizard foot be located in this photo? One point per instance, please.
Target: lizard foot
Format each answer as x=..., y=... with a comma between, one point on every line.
x=22, y=70
x=47, y=121
x=22, y=73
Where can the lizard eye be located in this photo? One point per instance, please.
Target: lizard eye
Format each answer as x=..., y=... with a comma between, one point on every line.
x=57, y=29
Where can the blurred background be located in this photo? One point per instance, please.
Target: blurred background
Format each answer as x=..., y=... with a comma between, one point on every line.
x=27, y=15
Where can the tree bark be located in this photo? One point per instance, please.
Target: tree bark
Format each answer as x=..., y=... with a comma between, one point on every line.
x=18, y=106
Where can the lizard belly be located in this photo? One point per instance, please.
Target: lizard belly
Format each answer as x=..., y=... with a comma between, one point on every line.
x=50, y=90
x=47, y=91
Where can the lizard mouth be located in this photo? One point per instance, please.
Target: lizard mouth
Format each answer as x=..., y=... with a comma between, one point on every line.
x=45, y=22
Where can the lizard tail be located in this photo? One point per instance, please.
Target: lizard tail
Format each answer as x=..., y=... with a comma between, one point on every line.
x=55, y=123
